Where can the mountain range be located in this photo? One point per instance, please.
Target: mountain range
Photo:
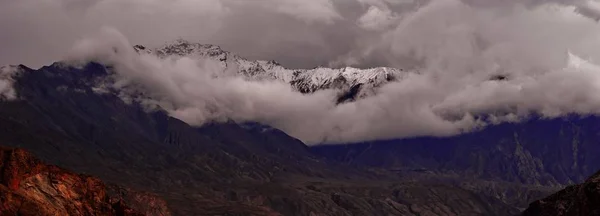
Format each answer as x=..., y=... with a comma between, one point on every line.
x=232, y=168
x=303, y=80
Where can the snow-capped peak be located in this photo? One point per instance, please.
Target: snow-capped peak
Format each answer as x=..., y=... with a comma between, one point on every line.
x=304, y=80
x=182, y=47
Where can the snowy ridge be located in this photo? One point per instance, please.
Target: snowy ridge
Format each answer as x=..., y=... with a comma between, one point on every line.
x=304, y=80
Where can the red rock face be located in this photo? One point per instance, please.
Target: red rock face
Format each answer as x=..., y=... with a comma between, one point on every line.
x=147, y=203
x=16, y=165
x=30, y=187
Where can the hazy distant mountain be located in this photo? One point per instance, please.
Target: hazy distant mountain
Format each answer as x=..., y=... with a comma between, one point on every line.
x=538, y=151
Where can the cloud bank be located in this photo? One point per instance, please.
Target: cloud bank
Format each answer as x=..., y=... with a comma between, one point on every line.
x=298, y=34
x=545, y=51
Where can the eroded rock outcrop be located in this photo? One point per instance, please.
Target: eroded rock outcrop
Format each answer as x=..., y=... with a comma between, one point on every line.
x=30, y=187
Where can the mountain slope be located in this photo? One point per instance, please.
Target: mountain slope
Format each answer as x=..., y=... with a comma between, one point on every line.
x=218, y=169
x=576, y=200
x=539, y=151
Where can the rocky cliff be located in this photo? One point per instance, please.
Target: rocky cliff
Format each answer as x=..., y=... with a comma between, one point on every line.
x=31, y=187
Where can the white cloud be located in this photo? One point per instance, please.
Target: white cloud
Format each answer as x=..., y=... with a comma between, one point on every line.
x=308, y=10
x=547, y=51
x=377, y=19
x=456, y=52
x=7, y=73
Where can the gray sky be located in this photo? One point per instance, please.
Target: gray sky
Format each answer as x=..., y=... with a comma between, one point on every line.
x=547, y=49
x=297, y=33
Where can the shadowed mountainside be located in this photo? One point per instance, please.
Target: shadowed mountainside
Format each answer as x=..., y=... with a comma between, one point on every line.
x=550, y=152
x=218, y=169
x=577, y=200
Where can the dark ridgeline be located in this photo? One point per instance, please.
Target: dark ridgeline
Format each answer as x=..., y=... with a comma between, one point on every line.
x=577, y=200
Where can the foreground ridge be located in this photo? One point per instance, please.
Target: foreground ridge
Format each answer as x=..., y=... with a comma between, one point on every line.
x=575, y=200
x=30, y=187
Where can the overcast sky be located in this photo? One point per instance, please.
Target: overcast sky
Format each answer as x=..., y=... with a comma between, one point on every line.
x=297, y=33
x=549, y=50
